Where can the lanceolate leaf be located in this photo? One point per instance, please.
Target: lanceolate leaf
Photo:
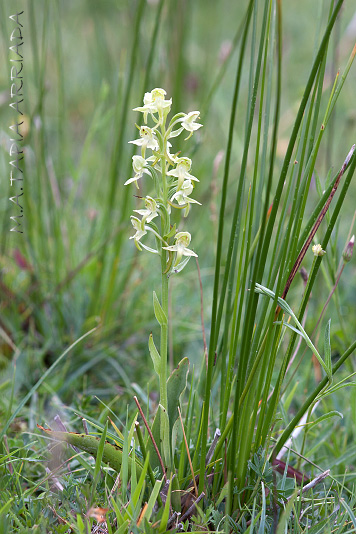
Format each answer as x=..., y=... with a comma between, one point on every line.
x=324, y=417
x=156, y=358
x=159, y=313
x=176, y=384
x=112, y=455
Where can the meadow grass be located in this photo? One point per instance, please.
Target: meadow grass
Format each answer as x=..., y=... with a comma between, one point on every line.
x=263, y=413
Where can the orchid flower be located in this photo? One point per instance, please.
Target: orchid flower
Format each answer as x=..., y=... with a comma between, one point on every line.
x=139, y=163
x=151, y=210
x=139, y=226
x=182, y=171
x=181, y=246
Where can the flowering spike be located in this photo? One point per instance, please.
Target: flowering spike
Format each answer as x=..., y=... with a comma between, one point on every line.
x=171, y=175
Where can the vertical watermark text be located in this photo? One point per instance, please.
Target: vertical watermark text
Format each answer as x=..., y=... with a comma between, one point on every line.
x=16, y=151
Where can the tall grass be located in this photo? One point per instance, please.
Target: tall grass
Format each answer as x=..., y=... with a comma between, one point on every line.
x=251, y=340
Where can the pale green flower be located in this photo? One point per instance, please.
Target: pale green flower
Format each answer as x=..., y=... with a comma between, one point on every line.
x=182, y=171
x=317, y=250
x=151, y=210
x=138, y=165
x=139, y=226
x=182, y=240
x=154, y=102
x=146, y=108
x=147, y=139
x=182, y=196
x=189, y=124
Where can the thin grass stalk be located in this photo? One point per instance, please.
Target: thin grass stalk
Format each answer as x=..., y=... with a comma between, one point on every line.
x=235, y=324
x=304, y=101
x=242, y=364
x=118, y=147
x=266, y=238
x=302, y=200
x=279, y=262
x=269, y=60
x=328, y=232
x=241, y=290
x=311, y=282
x=259, y=267
x=59, y=230
x=271, y=169
x=214, y=329
x=116, y=157
x=33, y=215
x=234, y=233
x=267, y=412
x=61, y=92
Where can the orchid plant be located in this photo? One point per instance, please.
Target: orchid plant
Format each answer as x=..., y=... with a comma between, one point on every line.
x=173, y=185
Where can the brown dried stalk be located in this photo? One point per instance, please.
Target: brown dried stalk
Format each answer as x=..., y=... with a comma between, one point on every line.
x=315, y=228
x=151, y=436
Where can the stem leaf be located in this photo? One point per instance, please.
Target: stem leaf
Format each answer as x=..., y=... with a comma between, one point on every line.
x=176, y=384
x=156, y=358
x=159, y=313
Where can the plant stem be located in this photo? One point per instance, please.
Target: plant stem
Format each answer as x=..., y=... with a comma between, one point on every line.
x=164, y=336
x=164, y=296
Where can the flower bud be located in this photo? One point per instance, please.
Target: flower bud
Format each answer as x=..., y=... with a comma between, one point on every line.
x=347, y=254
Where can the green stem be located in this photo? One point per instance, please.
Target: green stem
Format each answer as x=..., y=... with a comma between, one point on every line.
x=164, y=327
x=164, y=336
